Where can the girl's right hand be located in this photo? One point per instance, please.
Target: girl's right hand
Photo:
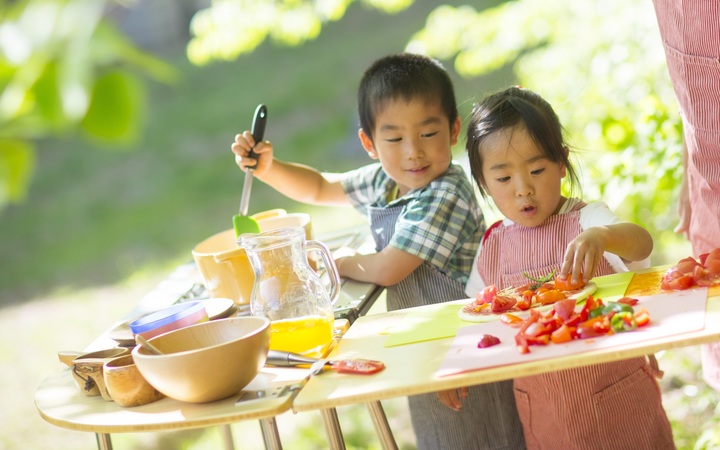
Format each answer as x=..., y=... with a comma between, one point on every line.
x=241, y=148
x=452, y=398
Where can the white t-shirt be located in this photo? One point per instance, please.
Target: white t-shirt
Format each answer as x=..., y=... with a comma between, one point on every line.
x=592, y=215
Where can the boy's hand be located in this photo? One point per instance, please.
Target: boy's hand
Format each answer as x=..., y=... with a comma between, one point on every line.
x=583, y=254
x=241, y=148
x=453, y=398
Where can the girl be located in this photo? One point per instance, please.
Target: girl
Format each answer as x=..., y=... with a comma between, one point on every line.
x=518, y=157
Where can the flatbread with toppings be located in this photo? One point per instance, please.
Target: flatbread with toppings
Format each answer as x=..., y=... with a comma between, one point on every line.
x=490, y=303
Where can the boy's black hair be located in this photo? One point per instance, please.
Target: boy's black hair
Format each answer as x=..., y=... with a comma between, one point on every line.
x=403, y=76
x=507, y=109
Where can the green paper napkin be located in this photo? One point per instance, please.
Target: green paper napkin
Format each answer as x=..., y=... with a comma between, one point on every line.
x=427, y=323
x=611, y=286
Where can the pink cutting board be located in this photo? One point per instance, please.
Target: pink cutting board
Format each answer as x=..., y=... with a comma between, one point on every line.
x=670, y=314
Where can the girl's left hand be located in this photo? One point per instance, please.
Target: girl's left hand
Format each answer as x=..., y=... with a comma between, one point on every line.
x=452, y=398
x=583, y=254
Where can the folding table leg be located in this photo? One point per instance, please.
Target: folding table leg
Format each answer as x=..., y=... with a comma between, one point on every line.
x=332, y=429
x=226, y=435
x=103, y=441
x=382, y=428
x=270, y=434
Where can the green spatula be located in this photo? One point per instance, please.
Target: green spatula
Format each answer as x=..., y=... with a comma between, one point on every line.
x=242, y=222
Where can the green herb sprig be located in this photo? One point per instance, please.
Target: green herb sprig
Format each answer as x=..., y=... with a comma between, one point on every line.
x=540, y=281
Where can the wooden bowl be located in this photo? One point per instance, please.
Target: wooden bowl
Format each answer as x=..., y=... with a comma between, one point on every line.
x=125, y=383
x=207, y=361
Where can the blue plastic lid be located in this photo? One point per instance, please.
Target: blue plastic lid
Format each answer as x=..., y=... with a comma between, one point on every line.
x=165, y=316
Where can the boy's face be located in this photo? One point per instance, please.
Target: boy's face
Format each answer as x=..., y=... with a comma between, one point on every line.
x=523, y=183
x=412, y=140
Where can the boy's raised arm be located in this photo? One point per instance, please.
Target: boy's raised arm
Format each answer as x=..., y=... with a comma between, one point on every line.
x=296, y=181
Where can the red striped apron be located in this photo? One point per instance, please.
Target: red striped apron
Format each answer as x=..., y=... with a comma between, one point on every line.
x=691, y=36
x=602, y=406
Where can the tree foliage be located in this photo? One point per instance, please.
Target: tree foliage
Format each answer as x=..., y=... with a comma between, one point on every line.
x=230, y=28
x=601, y=65
x=64, y=68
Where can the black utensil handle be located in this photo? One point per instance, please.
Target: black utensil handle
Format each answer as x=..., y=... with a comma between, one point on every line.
x=258, y=127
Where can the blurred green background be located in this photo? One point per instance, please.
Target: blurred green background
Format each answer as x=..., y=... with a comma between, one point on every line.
x=115, y=151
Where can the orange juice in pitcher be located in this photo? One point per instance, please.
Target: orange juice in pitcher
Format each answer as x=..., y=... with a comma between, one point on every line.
x=289, y=292
x=309, y=335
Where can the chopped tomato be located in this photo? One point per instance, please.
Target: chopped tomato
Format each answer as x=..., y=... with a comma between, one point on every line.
x=538, y=329
x=595, y=327
x=562, y=334
x=713, y=267
x=686, y=265
x=573, y=320
x=565, y=308
x=642, y=317
x=628, y=301
x=502, y=303
x=567, y=284
x=524, y=304
x=538, y=340
x=521, y=343
x=677, y=281
x=486, y=295
x=511, y=319
x=549, y=296
x=487, y=340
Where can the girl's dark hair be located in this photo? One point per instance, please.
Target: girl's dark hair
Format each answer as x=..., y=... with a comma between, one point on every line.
x=506, y=109
x=403, y=76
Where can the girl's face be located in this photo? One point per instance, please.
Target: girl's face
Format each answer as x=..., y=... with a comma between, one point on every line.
x=412, y=140
x=523, y=183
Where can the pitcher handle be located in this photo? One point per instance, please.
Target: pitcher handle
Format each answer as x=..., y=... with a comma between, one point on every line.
x=329, y=265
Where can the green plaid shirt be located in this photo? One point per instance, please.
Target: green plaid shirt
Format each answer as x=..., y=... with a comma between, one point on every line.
x=441, y=222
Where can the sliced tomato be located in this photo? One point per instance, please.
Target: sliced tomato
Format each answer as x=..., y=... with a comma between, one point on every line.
x=486, y=295
x=358, y=366
x=511, y=319
x=550, y=296
x=567, y=284
x=502, y=303
x=562, y=334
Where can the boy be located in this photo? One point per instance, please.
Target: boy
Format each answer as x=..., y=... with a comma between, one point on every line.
x=424, y=218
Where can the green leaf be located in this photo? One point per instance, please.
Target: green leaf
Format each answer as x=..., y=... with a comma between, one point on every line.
x=17, y=163
x=115, y=107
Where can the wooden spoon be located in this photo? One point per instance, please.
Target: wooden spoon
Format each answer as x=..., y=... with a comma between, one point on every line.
x=142, y=341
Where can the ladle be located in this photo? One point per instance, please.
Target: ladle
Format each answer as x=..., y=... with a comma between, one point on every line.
x=142, y=341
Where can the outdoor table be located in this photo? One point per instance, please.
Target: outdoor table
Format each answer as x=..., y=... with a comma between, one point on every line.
x=413, y=368
x=61, y=403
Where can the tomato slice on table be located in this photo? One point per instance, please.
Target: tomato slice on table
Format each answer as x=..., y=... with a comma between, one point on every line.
x=358, y=366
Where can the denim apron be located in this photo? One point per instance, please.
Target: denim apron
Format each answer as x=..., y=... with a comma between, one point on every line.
x=488, y=418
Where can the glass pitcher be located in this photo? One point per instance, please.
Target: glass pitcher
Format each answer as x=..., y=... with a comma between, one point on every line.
x=289, y=292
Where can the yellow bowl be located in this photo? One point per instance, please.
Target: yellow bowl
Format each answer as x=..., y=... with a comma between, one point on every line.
x=207, y=361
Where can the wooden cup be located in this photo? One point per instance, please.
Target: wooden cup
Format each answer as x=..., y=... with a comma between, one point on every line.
x=126, y=385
